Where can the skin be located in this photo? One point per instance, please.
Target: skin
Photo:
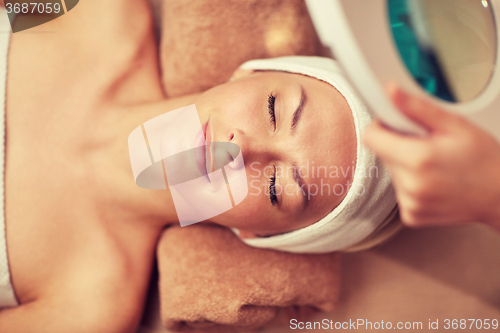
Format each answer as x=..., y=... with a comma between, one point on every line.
x=448, y=177
x=81, y=244
x=81, y=234
x=324, y=136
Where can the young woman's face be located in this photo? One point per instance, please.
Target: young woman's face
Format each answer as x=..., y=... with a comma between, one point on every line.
x=298, y=141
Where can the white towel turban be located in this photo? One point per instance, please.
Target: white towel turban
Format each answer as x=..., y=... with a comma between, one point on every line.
x=371, y=197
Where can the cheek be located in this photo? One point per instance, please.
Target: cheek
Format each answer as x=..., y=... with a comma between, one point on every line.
x=249, y=213
x=242, y=116
x=235, y=107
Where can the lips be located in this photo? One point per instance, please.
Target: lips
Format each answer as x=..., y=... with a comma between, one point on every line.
x=182, y=145
x=208, y=152
x=202, y=151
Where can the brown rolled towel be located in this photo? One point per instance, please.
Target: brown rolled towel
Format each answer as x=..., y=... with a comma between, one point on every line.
x=211, y=281
x=204, y=41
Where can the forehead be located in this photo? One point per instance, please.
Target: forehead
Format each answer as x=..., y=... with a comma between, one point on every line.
x=328, y=143
x=325, y=145
x=327, y=132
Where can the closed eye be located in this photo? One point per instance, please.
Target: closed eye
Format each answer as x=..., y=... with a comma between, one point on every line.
x=273, y=198
x=270, y=106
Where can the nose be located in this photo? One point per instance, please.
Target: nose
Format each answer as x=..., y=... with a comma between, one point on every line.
x=254, y=148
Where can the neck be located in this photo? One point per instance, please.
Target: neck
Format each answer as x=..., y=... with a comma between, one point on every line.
x=150, y=207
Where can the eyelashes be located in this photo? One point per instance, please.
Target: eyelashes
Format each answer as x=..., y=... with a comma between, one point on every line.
x=270, y=107
x=272, y=188
x=273, y=198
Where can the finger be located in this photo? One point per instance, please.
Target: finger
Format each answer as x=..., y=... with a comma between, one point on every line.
x=389, y=145
x=421, y=111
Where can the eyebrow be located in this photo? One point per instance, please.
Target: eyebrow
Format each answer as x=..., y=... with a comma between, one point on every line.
x=300, y=183
x=297, y=114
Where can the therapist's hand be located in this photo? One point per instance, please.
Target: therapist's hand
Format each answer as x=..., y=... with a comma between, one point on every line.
x=450, y=176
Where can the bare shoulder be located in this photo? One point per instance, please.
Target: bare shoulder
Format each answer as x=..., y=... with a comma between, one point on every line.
x=84, y=273
x=94, y=28
x=85, y=52
x=95, y=14
x=98, y=50
x=70, y=313
x=97, y=298
x=105, y=23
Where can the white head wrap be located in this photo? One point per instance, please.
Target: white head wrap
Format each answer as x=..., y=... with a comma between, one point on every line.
x=371, y=197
